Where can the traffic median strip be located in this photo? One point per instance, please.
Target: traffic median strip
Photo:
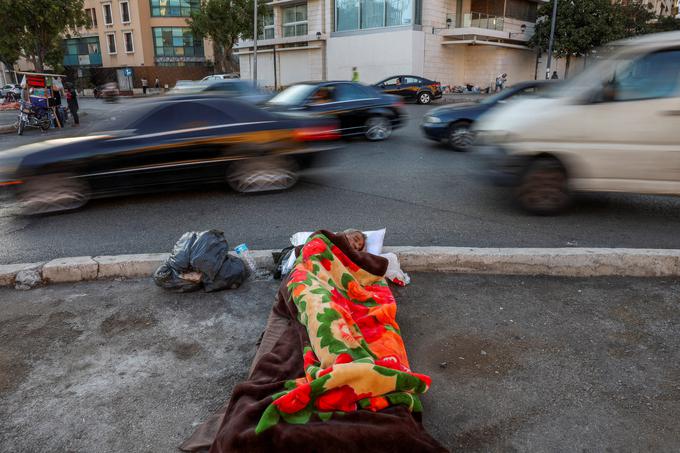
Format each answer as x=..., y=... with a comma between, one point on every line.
x=565, y=262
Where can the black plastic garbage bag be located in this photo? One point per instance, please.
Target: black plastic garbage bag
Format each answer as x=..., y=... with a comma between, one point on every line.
x=206, y=252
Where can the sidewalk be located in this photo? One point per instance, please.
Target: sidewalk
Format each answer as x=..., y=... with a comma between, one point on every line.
x=518, y=363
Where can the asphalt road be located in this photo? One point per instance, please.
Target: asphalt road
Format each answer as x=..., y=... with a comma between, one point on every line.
x=422, y=192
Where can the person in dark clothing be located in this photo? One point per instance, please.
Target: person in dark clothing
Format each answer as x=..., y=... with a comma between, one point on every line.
x=72, y=101
x=554, y=76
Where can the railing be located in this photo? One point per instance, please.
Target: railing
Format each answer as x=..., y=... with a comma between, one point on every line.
x=481, y=20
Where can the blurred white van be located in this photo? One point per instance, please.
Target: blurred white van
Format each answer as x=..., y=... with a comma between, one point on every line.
x=613, y=128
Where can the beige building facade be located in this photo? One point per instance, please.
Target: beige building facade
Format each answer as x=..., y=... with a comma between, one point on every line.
x=456, y=42
x=150, y=37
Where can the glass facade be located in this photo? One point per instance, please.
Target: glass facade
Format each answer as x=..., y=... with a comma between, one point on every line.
x=366, y=14
x=295, y=20
x=82, y=52
x=174, y=8
x=177, y=46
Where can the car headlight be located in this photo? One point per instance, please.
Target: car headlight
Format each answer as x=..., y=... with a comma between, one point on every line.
x=432, y=119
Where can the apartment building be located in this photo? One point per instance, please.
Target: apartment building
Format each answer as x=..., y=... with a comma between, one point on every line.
x=150, y=36
x=452, y=41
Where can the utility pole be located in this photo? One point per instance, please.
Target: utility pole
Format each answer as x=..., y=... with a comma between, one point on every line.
x=255, y=42
x=553, y=22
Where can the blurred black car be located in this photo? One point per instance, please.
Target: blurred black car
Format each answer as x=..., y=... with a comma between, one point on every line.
x=243, y=90
x=411, y=88
x=452, y=123
x=360, y=109
x=166, y=144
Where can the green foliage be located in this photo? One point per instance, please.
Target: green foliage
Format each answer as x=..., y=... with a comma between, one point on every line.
x=35, y=29
x=225, y=22
x=666, y=24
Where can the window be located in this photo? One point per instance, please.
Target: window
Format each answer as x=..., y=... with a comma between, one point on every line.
x=347, y=92
x=295, y=20
x=91, y=14
x=522, y=10
x=412, y=80
x=392, y=81
x=129, y=44
x=184, y=115
x=82, y=51
x=111, y=41
x=174, y=8
x=267, y=25
x=175, y=46
x=108, y=16
x=125, y=12
x=365, y=14
x=650, y=77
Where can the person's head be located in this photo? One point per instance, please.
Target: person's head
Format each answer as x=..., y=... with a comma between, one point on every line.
x=354, y=68
x=505, y=75
x=356, y=239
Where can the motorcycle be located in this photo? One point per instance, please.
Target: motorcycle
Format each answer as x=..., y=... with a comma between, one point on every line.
x=30, y=116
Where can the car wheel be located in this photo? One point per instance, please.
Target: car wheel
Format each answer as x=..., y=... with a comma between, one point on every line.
x=460, y=136
x=544, y=188
x=52, y=193
x=262, y=175
x=378, y=128
x=424, y=98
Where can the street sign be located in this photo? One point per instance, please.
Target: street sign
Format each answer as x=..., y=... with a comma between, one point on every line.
x=127, y=72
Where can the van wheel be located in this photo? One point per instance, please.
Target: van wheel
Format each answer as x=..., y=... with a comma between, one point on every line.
x=544, y=188
x=424, y=98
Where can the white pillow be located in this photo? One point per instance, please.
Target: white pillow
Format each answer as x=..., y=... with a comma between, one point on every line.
x=374, y=240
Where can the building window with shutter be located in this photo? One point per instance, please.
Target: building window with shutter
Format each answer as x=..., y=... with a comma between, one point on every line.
x=108, y=15
x=111, y=42
x=129, y=44
x=125, y=12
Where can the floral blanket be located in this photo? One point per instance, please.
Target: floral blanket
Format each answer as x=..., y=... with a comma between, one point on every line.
x=356, y=359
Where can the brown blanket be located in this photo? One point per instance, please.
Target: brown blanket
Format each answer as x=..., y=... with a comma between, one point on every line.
x=280, y=359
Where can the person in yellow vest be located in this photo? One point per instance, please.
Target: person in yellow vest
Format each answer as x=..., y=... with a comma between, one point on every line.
x=355, y=74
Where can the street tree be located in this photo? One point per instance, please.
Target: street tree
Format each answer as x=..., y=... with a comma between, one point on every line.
x=583, y=25
x=224, y=22
x=35, y=29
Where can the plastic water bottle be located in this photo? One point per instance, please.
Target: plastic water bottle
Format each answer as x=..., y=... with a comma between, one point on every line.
x=243, y=253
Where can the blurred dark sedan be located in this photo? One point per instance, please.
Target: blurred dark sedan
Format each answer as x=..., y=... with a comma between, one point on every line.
x=452, y=123
x=236, y=88
x=411, y=88
x=360, y=109
x=166, y=144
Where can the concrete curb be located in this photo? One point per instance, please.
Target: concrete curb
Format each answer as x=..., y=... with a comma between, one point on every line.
x=565, y=262
x=7, y=128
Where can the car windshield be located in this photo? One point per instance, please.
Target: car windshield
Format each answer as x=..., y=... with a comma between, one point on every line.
x=294, y=95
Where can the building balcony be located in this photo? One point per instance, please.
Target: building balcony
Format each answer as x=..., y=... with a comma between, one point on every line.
x=480, y=26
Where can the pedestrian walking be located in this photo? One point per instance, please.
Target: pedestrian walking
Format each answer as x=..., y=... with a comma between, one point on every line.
x=157, y=85
x=72, y=101
x=145, y=85
x=355, y=74
x=500, y=82
x=554, y=76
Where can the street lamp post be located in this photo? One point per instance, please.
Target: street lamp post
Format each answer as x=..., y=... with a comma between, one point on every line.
x=255, y=42
x=552, y=39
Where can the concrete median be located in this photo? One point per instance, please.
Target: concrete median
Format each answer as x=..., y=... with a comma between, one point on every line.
x=566, y=262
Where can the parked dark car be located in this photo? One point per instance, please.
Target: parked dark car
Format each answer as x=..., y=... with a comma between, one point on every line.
x=411, y=88
x=452, y=123
x=360, y=109
x=166, y=144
